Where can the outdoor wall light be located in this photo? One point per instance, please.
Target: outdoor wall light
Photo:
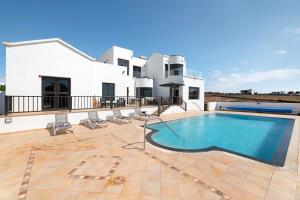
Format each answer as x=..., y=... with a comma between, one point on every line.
x=8, y=120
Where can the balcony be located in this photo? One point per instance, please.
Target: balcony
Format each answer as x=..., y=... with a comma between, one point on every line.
x=33, y=104
x=144, y=82
x=193, y=74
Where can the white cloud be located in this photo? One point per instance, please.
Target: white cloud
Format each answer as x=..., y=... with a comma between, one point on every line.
x=292, y=31
x=281, y=52
x=216, y=73
x=235, y=69
x=234, y=81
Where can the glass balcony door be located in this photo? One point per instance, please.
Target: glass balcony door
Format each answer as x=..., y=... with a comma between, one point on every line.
x=55, y=92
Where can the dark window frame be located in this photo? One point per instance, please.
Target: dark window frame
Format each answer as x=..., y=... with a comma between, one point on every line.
x=124, y=63
x=166, y=70
x=113, y=90
x=134, y=74
x=176, y=69
x=144, y=92
x=55, y=99
x=196, y=91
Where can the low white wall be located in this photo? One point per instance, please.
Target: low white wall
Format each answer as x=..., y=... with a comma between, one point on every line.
x=2, y=104
x=23, y=123
x=194, y=106
x=173, y=110
x=211, y=106
x=223, y=105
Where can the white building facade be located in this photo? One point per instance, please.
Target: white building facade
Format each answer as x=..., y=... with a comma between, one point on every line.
x=51, y=67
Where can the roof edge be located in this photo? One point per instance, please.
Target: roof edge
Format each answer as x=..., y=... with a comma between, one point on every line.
x=31, y=42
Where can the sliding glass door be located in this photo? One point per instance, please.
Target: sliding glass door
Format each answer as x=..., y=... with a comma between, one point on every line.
x=55, y=92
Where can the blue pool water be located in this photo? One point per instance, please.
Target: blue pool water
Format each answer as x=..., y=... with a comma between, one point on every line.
x=262, y=138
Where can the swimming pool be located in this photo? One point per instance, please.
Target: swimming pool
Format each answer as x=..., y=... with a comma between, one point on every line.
x=264, y=139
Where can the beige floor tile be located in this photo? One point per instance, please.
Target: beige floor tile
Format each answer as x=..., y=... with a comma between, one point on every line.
x=189, y=191
x=132, y=187
x=254, y=188
x=276, y=195
x=104, y=196
x=69, y=195
x=151, y=176
x=90, y=196
x=87, y=185
x=112, y=189
x=150, y=189
x=244, y=195
x=169, y=189
x=43, y=194
x=233, y=180
x=149, y=197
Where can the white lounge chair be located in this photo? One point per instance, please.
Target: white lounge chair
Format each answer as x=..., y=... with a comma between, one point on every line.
x=118, y=114
x=118, y=118
x=94, y=121
x=113, y=119
x=61, y=124
x=138, y=114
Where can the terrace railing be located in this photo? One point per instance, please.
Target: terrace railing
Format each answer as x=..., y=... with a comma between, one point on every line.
x=194, y=73
x=21, y=104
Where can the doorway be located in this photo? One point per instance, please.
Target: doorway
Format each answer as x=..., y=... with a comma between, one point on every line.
x=55, y=93
x=174, y=95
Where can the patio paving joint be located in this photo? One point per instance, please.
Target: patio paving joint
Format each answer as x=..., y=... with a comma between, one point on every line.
x=179, y=171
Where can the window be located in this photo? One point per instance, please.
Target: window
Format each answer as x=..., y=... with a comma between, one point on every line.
x=166, y=70
x=193, y=93
x=176, y=69
x=124, y=63
x=144, y=92
x=137, y=71
x=108, y=89
x=55, y=92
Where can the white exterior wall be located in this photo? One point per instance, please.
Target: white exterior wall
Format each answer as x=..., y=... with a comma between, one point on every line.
x=25, y=64
x=111, y=56
x=23, y=123
x=139, y=62
x=155, y=69
x=144, y=82
x=193, y=104
x=173, y=110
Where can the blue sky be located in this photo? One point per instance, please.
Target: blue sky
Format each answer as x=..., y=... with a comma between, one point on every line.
x=236, y=44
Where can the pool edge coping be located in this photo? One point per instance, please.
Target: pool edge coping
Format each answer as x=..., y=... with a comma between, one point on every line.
x=286, y=163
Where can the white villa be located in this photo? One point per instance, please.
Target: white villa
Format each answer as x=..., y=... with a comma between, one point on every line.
x=38, y=71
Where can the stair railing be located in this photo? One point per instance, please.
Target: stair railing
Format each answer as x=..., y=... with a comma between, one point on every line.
x=146, y=121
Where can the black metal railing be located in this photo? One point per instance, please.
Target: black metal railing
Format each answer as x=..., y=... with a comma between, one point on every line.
x=20, y=104
x=183, y=105
x=174, y=101
x=166, y=102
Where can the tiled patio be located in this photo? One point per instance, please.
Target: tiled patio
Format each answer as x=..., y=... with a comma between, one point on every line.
x=34, y=165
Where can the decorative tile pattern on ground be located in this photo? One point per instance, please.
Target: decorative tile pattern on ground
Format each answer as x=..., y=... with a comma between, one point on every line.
x=116, y=163
x=26, y=178
x=181, y=172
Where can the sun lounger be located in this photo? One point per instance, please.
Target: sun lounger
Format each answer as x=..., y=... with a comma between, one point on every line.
x=117, y=120
x=61, y=124
x=138, y=114
x=94, y=121
x=118, y=114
